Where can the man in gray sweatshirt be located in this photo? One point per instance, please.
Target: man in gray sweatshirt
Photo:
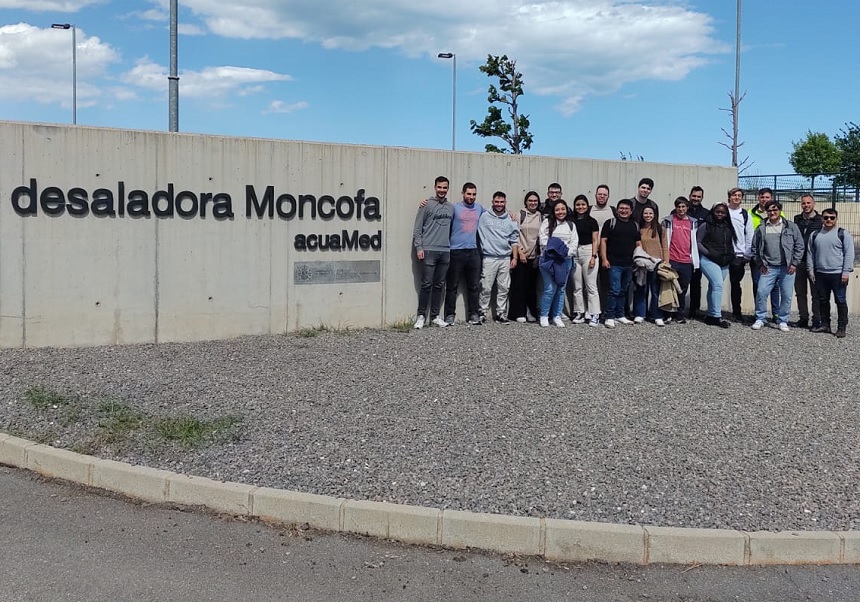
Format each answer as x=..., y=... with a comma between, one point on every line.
x=498, y=237
x=431, y=237
x=830, y=261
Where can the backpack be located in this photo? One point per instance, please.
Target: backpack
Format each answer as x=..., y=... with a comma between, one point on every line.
x=840, y=232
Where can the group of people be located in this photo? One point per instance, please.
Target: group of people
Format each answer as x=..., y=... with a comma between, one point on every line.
x=623, y=265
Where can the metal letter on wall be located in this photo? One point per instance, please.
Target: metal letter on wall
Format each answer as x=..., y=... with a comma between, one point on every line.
x=336, y=272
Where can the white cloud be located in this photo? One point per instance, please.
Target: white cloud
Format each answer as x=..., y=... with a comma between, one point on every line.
x=35, y=64
x=211, y=82
x=566, y=48
x=279, y=106
x=62, y=6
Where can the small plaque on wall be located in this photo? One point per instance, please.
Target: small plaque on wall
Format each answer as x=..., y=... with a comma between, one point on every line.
x=336, y=272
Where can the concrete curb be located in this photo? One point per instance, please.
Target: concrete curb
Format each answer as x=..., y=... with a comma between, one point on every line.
x=553, y=539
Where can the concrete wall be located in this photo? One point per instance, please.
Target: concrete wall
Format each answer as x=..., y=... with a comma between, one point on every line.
x=90, y=280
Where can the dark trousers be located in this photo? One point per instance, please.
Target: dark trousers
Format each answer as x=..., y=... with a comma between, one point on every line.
x=685, y=276
x=695, y=291
x=523, y=294
x=736, y=276
x=465, y=263
x=801, y=285
x=433, y=271
x=603, y=288
x=832, y=283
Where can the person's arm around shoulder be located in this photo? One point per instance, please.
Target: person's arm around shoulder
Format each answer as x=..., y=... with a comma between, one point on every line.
x=418, y=233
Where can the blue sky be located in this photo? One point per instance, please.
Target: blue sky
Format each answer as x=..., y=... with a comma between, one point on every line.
x=602, y=77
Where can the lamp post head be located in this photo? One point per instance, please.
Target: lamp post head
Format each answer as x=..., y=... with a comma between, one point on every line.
x=446, y=55
x=61, y=25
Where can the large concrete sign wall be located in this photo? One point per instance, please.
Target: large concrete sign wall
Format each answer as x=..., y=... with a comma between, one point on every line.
x=116, y=236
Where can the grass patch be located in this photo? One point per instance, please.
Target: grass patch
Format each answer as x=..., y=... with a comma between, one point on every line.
x=118, y=420
x=43, y=398
x=192, y=431
x=404, y=325
x=311, y=331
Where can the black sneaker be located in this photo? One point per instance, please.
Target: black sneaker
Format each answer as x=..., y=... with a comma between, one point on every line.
x=825, y=328
x=680, y=320
x=450, y=320
x=723, y=323
x=475, y=320
x=774, y=319
x=840, y=333
x=800, y=324
x=712, y=321
x=503, y=320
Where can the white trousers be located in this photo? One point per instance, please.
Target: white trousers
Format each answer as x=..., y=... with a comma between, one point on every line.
x=585, y=279
x=498, y=272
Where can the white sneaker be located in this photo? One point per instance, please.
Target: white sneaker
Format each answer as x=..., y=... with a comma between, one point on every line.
x=637, y=320
x=558, y=321
x=419, y=322
x=521, y=320
x=757, y=325
x=544, y=321
x=659, y=322
x=437, y=321
x=609, y=323
x=783, y=327
x=595, y=320
x=578, y=318
x=625, y=321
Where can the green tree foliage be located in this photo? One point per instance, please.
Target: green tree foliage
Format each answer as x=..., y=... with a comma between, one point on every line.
x=815, y=155
x=515, y=129
x=848, y=143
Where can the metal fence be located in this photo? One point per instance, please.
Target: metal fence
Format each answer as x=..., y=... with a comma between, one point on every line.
x=829, y=190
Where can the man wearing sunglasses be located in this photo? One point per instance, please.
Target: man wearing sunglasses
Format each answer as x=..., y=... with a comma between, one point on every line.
x=831, y=261
x=777, y=249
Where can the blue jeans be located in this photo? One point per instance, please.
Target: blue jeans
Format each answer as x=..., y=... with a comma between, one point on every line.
x=716, y=276
x=552, y=300
x=619, y=282
x=755, y=272
x=776, y=277
x=647, y=297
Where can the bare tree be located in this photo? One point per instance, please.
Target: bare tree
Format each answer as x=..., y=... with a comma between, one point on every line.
x=744, y=164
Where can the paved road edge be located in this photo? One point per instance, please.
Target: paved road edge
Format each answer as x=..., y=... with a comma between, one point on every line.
x=553, y=539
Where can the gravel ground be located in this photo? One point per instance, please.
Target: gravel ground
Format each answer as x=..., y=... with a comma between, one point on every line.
x=688, y=425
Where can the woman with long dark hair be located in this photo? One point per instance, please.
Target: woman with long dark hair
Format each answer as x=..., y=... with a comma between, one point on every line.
x=559, y=241
x=716, y=241
x=585, y=274
x=646, y=298
x=524, y=276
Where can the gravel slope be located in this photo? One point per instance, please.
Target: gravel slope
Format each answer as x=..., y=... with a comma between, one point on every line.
x=662, y=426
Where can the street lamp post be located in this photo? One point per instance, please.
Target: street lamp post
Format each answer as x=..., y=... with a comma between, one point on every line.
x=74, y=67
x=451, y=55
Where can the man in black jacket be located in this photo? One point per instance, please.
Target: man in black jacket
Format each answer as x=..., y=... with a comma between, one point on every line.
x=809, y=221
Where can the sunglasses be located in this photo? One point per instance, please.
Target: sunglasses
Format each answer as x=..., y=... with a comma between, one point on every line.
x=828, y=217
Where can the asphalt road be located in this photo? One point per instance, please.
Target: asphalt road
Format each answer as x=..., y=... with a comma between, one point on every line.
x=64, y=542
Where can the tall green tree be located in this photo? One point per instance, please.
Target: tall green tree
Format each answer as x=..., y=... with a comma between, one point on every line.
x=815, y=155
x=513, y=129
x=848, y=143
